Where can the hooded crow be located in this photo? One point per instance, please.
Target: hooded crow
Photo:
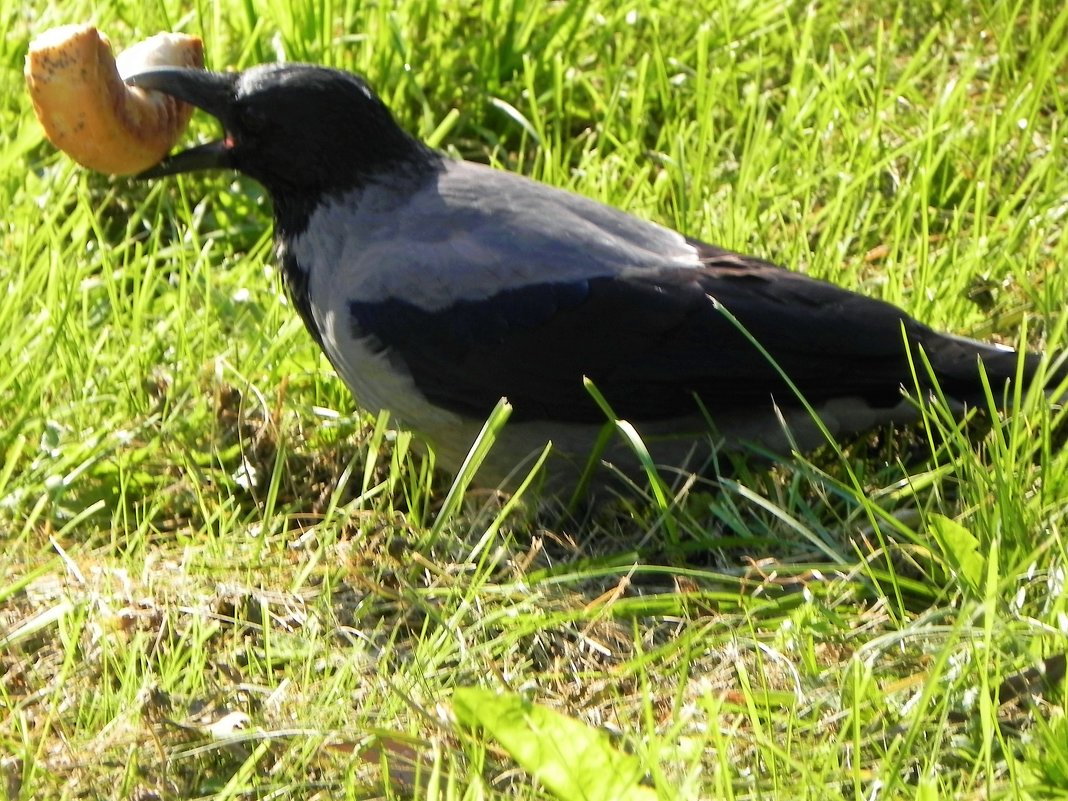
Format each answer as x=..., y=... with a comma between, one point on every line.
x=436, y=287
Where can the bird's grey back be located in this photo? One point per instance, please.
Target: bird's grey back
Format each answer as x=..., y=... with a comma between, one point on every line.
x=470, y=231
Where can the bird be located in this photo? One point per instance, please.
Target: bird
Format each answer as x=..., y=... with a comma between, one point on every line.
x=437, y=286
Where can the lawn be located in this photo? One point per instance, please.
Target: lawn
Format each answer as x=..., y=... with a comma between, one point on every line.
x=222, y=579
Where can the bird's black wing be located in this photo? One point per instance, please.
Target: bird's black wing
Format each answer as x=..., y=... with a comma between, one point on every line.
x=651, y=341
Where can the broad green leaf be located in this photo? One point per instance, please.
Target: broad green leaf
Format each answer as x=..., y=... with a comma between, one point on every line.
x=927, y=789
x=574, y=761
x=961, y=549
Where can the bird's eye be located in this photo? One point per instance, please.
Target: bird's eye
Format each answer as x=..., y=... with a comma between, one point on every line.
x=254, y=120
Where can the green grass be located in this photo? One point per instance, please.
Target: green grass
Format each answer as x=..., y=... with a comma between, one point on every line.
x=220, y=579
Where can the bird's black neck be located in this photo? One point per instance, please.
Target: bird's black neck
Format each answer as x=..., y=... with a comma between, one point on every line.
x=408, y=172
x=293, y=212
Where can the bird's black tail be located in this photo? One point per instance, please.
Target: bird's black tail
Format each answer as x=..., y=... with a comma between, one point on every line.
x=955, y=363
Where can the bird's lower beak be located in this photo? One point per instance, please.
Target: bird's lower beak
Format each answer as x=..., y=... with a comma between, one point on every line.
x=212, y=92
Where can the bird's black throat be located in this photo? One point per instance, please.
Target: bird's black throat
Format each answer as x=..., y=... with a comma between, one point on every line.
x=293, y=213
x=294, y=207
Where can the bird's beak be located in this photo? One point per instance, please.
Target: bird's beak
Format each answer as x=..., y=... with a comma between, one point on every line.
x=212, y=92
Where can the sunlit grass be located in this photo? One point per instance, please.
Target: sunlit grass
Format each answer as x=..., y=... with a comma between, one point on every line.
x=221, y=579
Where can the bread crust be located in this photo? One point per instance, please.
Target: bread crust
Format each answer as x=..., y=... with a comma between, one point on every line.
x=89, y=112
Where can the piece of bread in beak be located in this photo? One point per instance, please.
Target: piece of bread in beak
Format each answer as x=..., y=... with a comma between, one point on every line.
x=88, y=112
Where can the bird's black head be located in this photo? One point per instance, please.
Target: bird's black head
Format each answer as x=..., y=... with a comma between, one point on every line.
x=300, y=130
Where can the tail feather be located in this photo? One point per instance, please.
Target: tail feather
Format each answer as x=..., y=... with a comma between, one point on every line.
x=955, y=362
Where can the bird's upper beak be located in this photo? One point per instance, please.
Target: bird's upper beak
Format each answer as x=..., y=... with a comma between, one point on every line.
x=212, y=92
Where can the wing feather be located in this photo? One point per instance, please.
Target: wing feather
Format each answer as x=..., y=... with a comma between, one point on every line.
x=651, y=341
